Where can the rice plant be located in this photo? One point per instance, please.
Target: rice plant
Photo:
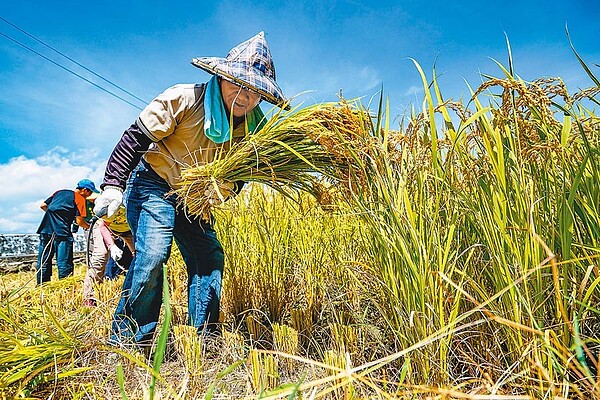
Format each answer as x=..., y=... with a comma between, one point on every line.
x=454, y=256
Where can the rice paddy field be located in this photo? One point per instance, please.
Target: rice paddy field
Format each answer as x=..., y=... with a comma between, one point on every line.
x=452, y=254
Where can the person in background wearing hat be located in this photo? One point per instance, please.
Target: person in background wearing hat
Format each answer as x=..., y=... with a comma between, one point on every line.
x=185, y=124
x=61, y=209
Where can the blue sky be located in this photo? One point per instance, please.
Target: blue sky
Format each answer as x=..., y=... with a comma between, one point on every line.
x=56, y=128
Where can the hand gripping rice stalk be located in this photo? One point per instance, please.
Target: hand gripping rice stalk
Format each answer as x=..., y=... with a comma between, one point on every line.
x=296, y=149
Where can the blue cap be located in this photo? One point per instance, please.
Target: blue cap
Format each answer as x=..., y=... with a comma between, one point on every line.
x=87, y=184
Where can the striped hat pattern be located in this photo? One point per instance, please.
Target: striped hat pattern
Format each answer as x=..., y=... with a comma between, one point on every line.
x=249, y=65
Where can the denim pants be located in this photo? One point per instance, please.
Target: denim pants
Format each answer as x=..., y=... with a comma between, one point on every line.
x=51, y=244
x=155, y=221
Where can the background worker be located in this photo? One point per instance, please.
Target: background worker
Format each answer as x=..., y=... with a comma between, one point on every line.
x=118, y=228
x=184, y=124
x=120, y=266
x=123, y=241
x=61, y=209
x=101, y=244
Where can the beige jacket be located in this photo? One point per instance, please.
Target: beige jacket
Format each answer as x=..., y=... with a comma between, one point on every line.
x=174, y=121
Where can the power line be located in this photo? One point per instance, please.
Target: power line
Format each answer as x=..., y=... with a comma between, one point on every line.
x=73, y=61
x=68, y=70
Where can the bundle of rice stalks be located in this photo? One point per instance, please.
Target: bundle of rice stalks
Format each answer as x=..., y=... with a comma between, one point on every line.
x=296, y=149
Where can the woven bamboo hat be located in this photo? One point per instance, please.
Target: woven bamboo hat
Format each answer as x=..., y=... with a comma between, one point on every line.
x=249, y=64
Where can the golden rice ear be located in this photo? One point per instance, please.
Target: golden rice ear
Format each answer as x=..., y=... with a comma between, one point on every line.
x=233, y=339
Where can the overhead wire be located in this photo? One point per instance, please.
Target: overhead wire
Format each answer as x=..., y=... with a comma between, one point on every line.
x=72, y=60
x=69, y=70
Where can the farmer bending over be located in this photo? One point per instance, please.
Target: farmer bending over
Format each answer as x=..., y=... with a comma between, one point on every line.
x=56, y=237
x=186, y=124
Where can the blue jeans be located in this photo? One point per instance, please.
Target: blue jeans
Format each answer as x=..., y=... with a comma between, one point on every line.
x=155, y=221
x=62, y=246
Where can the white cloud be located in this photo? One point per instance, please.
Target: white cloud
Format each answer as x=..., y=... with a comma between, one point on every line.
x=14, y=226
x=27, y=182
x=413, y=91
x=353, y=81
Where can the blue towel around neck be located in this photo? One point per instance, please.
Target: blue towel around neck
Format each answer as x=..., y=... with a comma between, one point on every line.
x=216, y=120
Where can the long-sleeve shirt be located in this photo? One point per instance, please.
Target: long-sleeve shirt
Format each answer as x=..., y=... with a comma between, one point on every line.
x=169, y=135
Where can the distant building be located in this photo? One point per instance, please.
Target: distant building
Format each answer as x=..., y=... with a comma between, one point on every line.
x=27, y=244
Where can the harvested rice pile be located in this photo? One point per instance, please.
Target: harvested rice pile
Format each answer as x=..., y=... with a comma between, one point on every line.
x=299, y=149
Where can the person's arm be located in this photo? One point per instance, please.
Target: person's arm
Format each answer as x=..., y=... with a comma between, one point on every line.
x=115, y=252
x=106, y=235
x=79, y=220
x=157, y=121
x=46, y=203
x=128, y=239
x=125, y=156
